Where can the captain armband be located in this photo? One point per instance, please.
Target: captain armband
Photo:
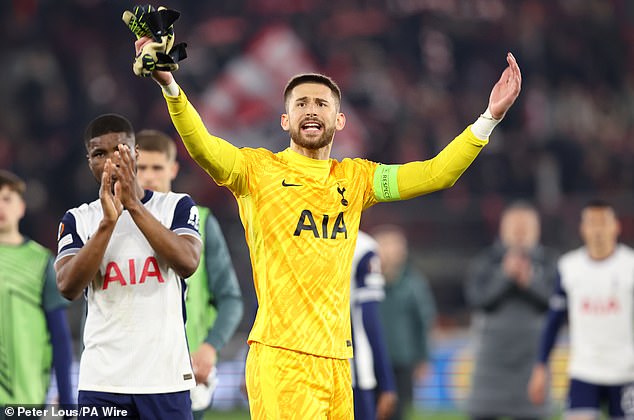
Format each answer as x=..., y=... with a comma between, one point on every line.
x=386, y=183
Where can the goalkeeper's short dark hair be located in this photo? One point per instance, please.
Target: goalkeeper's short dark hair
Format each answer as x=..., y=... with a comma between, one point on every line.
x=13, y=182
x=108, y=123
x=320, y=79
x=156, y=141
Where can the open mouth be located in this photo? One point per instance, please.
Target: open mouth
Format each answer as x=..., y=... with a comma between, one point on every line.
x=311, y=127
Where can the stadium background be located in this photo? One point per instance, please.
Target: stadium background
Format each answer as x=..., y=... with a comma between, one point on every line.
x=413, y=72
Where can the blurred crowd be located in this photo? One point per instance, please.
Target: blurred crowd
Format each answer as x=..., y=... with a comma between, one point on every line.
x=414, y=73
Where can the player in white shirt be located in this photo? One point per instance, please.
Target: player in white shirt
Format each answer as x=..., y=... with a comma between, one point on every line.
x=596, y=292
x=373, y=383
x=128, y=252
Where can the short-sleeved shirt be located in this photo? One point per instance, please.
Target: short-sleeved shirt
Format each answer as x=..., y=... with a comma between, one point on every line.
x=134, y=335
x=599, y=297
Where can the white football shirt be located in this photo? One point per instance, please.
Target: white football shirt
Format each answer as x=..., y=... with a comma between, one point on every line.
x=599, y=296
x=134, y=336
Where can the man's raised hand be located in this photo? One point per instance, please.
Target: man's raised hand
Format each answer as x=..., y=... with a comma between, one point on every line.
x=506, y=90
x=163, y=78
x=158, y=26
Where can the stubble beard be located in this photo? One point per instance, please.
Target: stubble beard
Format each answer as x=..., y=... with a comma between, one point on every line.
x=312, y=143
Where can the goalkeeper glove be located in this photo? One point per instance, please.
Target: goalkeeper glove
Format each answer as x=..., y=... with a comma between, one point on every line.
x=161, y=54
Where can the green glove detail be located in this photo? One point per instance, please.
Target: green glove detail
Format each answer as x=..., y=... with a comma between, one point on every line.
x=160, y=54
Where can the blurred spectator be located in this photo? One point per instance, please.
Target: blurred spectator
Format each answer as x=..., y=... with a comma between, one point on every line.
x=508, y=286
x=407, y=313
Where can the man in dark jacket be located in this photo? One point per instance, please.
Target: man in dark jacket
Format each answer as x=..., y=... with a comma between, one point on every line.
x=508, y=286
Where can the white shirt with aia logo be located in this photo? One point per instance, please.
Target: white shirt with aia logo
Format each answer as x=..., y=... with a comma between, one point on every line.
x=134, y=335
x=600, y=300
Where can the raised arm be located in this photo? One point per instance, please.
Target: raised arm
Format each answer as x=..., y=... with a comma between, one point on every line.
x=401, y=182
x=219, y=158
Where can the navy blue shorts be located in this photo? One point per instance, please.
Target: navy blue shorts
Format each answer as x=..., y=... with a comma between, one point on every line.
x=106, y=405
x=364, y=403
x=585, y=396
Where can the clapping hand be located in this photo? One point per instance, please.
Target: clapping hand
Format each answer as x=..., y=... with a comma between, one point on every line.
x=517, y=266
x=110, y=202
x=119, y=188
x=125, y=187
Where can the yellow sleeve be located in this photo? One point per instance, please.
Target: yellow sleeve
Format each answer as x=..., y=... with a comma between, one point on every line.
x=401, y=182
x=220, y=159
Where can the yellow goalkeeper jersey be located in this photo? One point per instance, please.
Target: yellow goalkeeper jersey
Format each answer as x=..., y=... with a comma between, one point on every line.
x=301, y=218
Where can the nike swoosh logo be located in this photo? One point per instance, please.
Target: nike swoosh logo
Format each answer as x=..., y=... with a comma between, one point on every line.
x=285, y=184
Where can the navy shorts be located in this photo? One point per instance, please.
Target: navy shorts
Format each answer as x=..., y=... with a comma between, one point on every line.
x=585, y=396
x=95, y=405
x=364, y=403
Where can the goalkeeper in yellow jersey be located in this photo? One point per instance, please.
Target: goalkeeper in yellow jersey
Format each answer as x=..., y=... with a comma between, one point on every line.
x=301, y=211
